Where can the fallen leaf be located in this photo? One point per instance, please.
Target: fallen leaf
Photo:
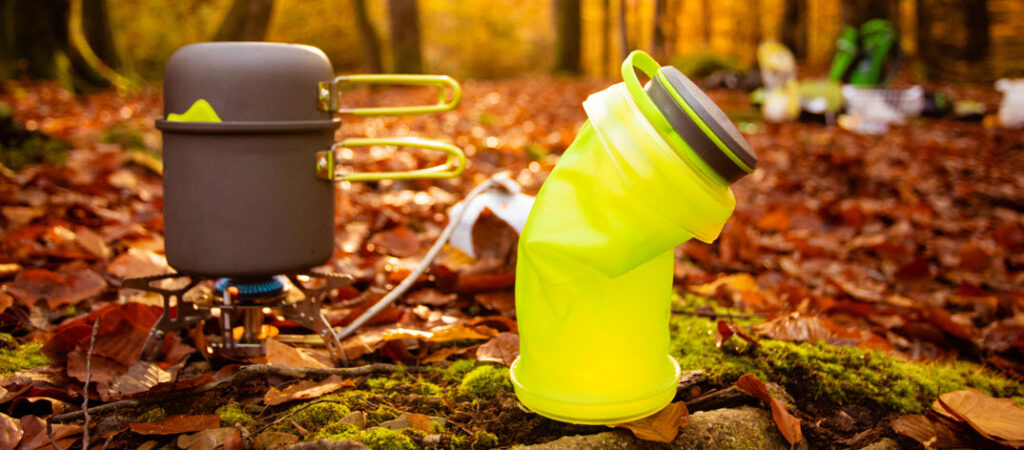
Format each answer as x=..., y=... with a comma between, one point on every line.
x=137, y=263
x=66, y=287
x=503, y=348
x=284, y=355
x=502, y=302
x=440, y=334
x=662, y=426
x=210, y=439
x=177, y=424
x=739, y=282
x=727, y=329
x=399, y=241
x=305, y=389
x=92, y=242
x=140, y=377
x=788, y=425
x=928, y=432
x=429, y=296
x=999, y=419
x=420, y=422
x=10, y=431
x=36, y=435
x=9, y=269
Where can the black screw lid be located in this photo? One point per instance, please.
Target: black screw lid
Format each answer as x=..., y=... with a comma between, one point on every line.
x=711, y=115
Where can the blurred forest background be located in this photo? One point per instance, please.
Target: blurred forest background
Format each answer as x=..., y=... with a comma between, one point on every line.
x=76, y=41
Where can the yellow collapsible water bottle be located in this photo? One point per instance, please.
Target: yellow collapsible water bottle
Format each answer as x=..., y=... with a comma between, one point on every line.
x=650, y=169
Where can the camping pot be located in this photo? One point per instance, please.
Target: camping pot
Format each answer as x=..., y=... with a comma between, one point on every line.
x=248, y=150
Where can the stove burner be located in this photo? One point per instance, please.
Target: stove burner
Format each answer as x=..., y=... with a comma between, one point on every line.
x=241, y=300
x=252, y=290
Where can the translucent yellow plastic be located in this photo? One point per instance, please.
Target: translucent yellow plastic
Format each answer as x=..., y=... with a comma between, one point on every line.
x=595, y=264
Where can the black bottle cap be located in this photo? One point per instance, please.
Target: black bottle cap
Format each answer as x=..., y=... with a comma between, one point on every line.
x=711, y=115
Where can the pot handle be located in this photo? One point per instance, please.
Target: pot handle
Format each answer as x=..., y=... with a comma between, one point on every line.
x=329, y=92
x=452, y=167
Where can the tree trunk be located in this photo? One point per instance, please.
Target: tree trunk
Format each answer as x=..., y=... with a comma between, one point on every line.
x=794, y=27
x=404, y=22
x=567, y=47
x=976, y=21
x=247, y=20
x=96, y=25
x=34, y=34
x=37, y=40
x=658, y=29
x=368, y=35
x=606, y=38
x=856, y=12
x=623, y=33
x=706, y=12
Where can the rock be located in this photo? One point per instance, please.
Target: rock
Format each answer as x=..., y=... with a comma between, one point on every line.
x=728, y=428
x=273, y=440
x=883, y=444
x=732, y=428
x=620, y=439
x=432, y=439
x=357, y=418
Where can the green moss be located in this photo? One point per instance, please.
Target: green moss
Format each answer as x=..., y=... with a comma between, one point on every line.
x=837, y=375
x=484, y=440
x=384, y=439
x=315, y=415
x=381, y=414
x=232, y=413
x=381, y=384
x=335, y=432
x=151, y=415
x=485, y=381
x=15, y=357
x=458, y=369
x=427, y=388
x=458, y=441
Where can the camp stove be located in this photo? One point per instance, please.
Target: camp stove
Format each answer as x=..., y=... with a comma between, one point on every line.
x=239, y=307
x=249, y=186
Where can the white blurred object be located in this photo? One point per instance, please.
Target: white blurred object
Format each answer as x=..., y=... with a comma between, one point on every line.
x=507, y=202
x=778, y=71
x=1011, y=110
x=871, y=111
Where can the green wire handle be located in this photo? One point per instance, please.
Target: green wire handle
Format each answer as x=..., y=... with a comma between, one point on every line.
x=451, y=168
x=443, y=83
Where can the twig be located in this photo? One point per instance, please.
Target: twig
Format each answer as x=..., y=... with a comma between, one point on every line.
x=292, y=413
x=712, y=314
x=244, y=374
x=49, y=433
x=88, y=376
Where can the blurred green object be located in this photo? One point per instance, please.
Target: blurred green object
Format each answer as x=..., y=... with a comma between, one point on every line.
x=846, y=51
x=861, y=55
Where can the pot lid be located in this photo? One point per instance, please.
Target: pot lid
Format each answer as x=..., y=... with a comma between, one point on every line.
x=245, y=82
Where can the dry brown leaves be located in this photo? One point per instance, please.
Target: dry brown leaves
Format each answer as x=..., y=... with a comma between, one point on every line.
x=305, y=389
x=788, y=425
x=503, y=348
x=662, y=426
x=998, y=419
x=177, y=424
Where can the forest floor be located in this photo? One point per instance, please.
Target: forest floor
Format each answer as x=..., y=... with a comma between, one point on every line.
x=861, y=277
